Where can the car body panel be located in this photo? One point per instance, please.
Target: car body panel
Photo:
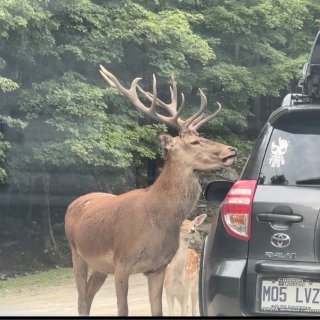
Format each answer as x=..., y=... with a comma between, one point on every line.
x=232, y=270
x=284, y=201
x=277, y=271
x=257, y=270
x=220, y=285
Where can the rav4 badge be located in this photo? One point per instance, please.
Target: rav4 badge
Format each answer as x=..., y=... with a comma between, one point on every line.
x=280, y=255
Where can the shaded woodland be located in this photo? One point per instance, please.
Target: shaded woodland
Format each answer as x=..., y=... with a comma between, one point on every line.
x=63, y=133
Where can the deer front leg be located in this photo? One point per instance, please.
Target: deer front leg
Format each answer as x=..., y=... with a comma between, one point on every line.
x=121, y=277
x=155, y=287
x=170, y=300
x=183, y=300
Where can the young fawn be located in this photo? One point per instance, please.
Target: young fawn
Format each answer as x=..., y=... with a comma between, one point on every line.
x=182, y=273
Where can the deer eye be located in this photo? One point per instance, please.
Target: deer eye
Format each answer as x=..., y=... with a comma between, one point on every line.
x=194, y=142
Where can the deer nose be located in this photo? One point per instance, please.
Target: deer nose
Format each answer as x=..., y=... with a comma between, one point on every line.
x=233, y=149
x=193, y=230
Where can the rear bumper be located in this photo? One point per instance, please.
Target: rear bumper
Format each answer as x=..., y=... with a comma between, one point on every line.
x=220, y=286
x=258, y=270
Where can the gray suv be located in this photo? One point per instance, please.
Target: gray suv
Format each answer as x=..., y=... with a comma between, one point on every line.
x=262, y=254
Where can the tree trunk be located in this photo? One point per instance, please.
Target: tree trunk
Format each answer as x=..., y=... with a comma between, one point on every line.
x=257, y=112
x=257, y=101
x=49, y=244
x=29, y=212
x=237, y=50
x=28, y=221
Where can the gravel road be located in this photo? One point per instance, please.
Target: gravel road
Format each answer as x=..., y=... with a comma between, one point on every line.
x=61, y=300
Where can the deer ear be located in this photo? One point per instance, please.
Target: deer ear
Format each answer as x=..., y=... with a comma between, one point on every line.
x=199, y=219
x=165, y=140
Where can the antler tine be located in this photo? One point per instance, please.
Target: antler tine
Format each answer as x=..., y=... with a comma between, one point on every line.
x=132, y=95
x=155, y=93
x=194, y=119
x=163, y=105
x=197, y=124
x=172, y=107
x=191, y=125
x=174, y=95
x=181, y=106
x=149, y=96
x=108, y=76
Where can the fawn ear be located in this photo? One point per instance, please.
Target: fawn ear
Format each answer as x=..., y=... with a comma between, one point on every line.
x=165, y=140
x=199, y=219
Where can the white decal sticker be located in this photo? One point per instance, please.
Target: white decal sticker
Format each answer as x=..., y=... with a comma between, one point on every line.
x=277, y=153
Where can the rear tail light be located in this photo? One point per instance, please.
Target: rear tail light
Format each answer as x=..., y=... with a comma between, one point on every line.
x=237, y=208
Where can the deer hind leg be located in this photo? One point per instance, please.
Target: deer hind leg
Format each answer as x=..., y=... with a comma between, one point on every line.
x=80, y=269
x=194, y=300
x=183, y=300
x=155, y=287
x=95, y=282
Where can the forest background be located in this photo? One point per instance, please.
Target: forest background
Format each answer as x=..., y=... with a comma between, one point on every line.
x=63, y=133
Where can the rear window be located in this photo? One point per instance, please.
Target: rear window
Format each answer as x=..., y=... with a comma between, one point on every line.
x=293, y=153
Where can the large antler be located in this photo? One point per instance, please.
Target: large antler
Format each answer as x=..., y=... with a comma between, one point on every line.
x=191, y=125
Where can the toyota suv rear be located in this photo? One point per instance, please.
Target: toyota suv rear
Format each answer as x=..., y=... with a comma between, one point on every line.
x=262, y=254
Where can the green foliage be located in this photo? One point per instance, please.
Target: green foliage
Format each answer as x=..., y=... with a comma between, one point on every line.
x=7, y=85
x=68, y=126
x=57, y=115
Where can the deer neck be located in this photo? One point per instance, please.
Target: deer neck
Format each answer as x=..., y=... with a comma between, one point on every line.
x=178, y=262
x=177, y=189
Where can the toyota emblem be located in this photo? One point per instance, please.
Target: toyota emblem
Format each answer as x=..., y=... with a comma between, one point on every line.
x=280, y=240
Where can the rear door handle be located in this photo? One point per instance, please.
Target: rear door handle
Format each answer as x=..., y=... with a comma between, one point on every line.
x=275, y=217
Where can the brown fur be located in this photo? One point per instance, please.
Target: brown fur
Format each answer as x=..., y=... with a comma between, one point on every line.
x=138, y=231
x=182, y=273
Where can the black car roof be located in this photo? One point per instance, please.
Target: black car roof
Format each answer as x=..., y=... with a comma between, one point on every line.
x=289, y=108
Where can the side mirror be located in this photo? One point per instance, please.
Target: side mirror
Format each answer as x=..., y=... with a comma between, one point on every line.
x=216, y=191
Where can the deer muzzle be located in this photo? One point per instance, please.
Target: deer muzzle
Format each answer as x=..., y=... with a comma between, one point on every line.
x=231, y=157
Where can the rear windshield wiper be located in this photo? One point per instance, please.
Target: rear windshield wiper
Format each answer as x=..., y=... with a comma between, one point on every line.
x=309, y=181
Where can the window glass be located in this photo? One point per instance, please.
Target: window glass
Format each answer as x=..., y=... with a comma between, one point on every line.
x=293, y=153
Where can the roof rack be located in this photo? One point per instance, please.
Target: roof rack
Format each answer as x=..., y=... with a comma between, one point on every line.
x=293, y=99
x=300, y=99
x=310, y=81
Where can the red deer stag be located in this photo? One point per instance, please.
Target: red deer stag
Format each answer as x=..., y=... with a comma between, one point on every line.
x=138, y=231
x=182, y=273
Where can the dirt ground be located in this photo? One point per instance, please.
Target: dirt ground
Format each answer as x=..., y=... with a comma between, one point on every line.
x=17, y=259
x=61, y=300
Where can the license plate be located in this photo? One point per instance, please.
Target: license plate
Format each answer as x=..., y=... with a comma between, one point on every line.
x=290, y=295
